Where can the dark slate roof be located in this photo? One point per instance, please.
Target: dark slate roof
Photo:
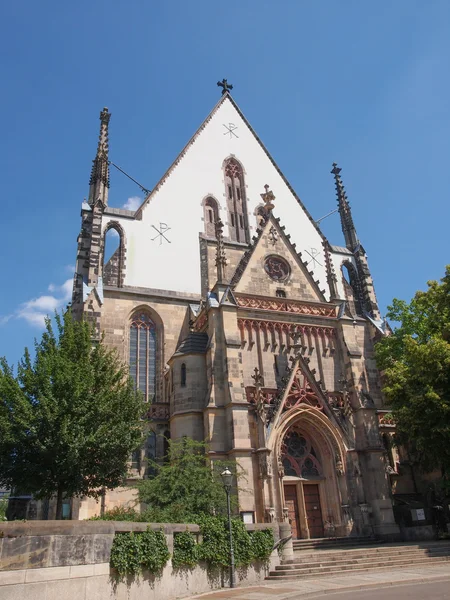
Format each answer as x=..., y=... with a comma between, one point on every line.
x=340, y=249
x=195, y=343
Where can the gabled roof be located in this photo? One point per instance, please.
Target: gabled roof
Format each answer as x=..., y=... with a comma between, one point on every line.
x=225, y=98
x=318, y=395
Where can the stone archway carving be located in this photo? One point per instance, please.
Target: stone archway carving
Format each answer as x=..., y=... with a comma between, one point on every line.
x=325, y=447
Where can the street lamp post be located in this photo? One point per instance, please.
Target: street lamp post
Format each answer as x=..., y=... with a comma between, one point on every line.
x=227, y=479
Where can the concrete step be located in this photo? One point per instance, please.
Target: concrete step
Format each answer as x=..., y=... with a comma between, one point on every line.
x=348, y=563
x=334, y=542
x=375, y=553
x=286, y=576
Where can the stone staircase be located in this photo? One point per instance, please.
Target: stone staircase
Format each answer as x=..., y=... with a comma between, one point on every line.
x=316, y=558
x=335, y=543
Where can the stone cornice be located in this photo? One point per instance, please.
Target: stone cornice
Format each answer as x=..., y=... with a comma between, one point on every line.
x=297, y=307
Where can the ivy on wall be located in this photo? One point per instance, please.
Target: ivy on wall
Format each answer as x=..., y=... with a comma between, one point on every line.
x=134, y=552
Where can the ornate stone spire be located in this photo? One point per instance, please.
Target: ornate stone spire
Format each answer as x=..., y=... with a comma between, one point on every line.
x=221, y=261
x=268, y=197
x=99, y=181
x=348, y=227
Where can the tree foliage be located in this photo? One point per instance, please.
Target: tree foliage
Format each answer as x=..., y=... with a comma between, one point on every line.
x=415, y=361
x=70, y=418
x=185, y=486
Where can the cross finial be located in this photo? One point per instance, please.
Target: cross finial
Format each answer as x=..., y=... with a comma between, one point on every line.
x=335, y=170
x=226, y=87
x=268, y=198
x=258, y=378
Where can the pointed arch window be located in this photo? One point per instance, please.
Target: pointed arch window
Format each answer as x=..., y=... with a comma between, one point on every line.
x=236, y=201
x=300, y=458
x=211, y=216
x=143, y=348
x=113, y=255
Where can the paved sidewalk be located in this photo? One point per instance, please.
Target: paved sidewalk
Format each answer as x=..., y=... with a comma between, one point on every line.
x=291, y=590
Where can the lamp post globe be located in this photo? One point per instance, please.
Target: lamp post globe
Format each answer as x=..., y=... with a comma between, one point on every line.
x=227, y=478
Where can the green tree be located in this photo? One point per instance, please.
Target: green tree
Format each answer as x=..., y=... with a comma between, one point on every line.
x=415, y=362
x=69, y=419
x=186, y=486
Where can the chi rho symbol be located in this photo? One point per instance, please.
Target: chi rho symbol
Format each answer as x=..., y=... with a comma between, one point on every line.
x=163, y=229
x=313, y=254
x=230, y=130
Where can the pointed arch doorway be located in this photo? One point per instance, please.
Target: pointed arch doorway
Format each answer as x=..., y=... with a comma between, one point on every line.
x=303, y=484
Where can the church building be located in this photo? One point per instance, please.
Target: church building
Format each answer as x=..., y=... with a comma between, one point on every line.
x=244, y=326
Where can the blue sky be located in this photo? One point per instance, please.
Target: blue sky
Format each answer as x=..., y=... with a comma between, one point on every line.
x=361, y=83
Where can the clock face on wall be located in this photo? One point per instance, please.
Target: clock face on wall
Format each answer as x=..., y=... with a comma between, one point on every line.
x=277, y=268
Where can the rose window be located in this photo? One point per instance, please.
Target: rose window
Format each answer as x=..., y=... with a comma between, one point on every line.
x=277, y=268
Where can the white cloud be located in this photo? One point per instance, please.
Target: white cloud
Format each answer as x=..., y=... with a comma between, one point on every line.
x=35, y=311
x=133, y=203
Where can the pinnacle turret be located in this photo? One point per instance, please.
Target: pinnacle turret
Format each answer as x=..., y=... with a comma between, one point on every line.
x=348, y=227
x=99, y=181
x=221, y=261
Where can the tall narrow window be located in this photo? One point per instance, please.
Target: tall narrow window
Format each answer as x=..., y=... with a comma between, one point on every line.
x=236, y=201
x=211, y=216
x=183, y=374
x=143, y=355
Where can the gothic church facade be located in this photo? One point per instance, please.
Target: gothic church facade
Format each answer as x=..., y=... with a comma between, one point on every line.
x=243, y=325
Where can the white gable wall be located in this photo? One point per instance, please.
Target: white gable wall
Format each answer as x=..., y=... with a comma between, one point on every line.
x=178, y=203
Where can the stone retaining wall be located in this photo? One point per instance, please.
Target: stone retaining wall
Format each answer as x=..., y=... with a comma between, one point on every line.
x=46, y=560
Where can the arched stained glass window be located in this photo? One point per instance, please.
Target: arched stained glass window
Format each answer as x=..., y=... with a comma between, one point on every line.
x=299, y=456
x=143, y=347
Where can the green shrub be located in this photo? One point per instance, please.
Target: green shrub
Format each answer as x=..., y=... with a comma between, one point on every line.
x=119, y=513
x=154, y=551
x=215, y=549
x=262, y=543
x=132, y=552
x=126, y=554
x=185, y=550
x=248, y=547
x=3, y=508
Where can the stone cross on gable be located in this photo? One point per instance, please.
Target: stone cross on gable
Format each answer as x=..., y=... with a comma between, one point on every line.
x=226, y=87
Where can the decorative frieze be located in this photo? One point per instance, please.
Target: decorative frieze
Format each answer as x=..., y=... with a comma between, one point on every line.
x=287, y=306
x=283, y=331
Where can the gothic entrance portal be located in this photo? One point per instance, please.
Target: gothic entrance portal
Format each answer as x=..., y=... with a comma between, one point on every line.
x=302, y=484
